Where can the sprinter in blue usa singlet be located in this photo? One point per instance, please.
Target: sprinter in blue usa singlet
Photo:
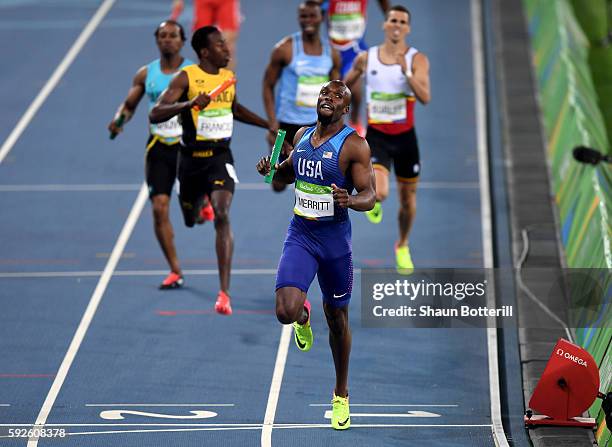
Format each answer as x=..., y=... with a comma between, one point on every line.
x=319, y=236
x=329, y=162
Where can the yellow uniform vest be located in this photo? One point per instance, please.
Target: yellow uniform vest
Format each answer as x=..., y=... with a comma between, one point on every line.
x=211, y=127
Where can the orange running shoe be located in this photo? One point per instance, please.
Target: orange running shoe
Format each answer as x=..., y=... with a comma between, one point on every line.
x=206, y=213
x=223, y=305
x=172, y=281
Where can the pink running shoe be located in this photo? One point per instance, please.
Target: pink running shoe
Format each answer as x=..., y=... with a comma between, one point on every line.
x=172, y=281
x=223, y=305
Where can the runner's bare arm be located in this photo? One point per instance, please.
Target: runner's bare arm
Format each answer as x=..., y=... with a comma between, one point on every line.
x=419, y=79
x=337, y=65
x=177, y=9
x=357, y=70
x=167, y=105
x=128, y=106
x=356, y=153
x=278, y=60
x=384, y=5
x=244, y=115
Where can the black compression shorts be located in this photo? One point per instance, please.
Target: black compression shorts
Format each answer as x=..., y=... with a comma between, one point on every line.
x=401, y=149
x=200, y=174
x=160, y=167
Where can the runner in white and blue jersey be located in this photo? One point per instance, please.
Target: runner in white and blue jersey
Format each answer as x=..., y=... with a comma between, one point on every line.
x=299, y=65
x=396, y=75
x=162, y=145
x=328, y=162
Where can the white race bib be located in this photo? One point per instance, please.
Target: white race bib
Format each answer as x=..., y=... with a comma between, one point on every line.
x=387, y=108
x=167, y=129
x=313, y=201
x=308, y=90
x=215, y=124
x=344, y=27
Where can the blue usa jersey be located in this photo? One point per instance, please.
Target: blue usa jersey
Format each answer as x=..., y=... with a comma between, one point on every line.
x=316, y=168
x=319, y=236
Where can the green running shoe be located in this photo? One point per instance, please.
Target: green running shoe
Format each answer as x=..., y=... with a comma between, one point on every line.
x=403, y=260
x=302, y=333
x=375, y=214
x=341, y=415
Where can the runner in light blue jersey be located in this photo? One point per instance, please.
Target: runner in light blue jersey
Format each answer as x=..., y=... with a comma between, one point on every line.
x=162, y=145
x=169, y=132
x=299, y=65
x=328, y=162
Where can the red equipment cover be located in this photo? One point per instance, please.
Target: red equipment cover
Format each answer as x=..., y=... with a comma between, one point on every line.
x=569, y=384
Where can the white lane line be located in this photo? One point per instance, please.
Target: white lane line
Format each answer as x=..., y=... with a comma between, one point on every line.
x=384, y=425
x=48, y=274
x=121, y=432
x=79, y=335
x=159, y=405
x=486, y=217
x=259, y=426
x=102, y=187
x=408, y=414
x=389, y=405
x=94, y=273
x=277, y=380
x=5, y=405
x=133, y=273
x=69, y=188
x=112, y=424
x=271, y=271
x=240, y=186
x=117, y=415
x=70, y=56
x=278, y=426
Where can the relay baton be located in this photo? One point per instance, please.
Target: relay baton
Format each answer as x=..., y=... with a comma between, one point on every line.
x=218, y=89
x=278, y=145
x=119, y=123
x=177, y=10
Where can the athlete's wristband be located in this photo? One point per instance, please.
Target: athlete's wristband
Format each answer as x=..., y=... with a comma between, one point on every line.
x=119, y=123
x=278, y=144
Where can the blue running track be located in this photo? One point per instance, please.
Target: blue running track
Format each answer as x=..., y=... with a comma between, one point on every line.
x=160, y=368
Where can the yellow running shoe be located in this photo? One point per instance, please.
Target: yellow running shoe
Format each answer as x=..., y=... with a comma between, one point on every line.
x=375, y=214
x=403, y=260
x=302, y=333
x=341, y=415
